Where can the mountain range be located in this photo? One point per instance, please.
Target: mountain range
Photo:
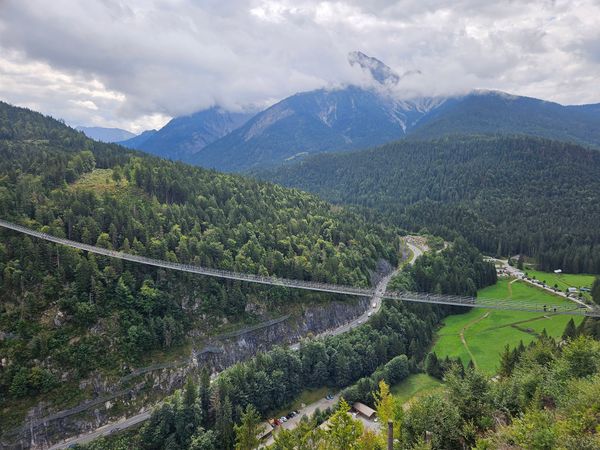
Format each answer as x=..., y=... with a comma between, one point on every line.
x=183, y=137
x=106, y=134
x=355, y=117
x=314, y=122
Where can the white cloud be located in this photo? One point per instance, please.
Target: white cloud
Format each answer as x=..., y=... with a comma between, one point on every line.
x=136, y=63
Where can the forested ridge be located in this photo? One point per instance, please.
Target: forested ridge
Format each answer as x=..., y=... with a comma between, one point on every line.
x=507, y=195
x=65, y=313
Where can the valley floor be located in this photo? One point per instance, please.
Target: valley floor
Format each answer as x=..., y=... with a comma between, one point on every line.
x=481, y=335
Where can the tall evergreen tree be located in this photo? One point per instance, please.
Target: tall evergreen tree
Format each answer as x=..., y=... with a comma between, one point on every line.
x=433, y=367
x=246, y=433
x=204, y=396
x=570, y=330
x=596, y=291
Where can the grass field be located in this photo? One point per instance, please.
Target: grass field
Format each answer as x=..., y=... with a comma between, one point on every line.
x=99, y=180
x=307, y=397
x=414, y=386
x=481, y=334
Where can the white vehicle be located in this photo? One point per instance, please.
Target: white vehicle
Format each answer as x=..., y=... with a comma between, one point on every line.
x=374, y=305
x=370, y=314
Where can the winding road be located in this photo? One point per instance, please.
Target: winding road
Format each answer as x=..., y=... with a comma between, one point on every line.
x=376, y=299
x=374, y=306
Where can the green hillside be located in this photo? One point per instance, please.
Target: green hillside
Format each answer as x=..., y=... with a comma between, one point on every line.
x=507, y=195
x=65, y=314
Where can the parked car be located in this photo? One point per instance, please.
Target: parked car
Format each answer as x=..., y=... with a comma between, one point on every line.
x=283, y=419
x=329, y=397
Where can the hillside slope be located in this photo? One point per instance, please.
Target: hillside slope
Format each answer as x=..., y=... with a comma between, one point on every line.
x=183, y=137
x=497, y=112
x=312, y=122
x=106, y=134
x=136, y=142
x=507, y=195
x=66, y=315
x=353, y=118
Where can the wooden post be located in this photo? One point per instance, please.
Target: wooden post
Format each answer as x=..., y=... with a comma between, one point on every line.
x=390, y=435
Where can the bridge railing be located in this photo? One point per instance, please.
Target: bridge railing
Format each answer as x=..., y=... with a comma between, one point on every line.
x=453, y=300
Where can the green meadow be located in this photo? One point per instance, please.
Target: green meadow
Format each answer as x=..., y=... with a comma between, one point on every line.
x=413, y=386
x=481, y=334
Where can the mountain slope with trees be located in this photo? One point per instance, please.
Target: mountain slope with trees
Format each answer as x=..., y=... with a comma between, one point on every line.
x=485, y=112
x=354, y=118
x=388, y=347
x=185, y=136
x=65, y=314
x=311, y=122
x=507, y=195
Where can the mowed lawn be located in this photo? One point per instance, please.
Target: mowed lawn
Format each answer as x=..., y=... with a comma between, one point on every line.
x=487, y=331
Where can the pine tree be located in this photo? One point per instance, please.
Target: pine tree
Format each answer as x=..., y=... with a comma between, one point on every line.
x=246, y=433
x=204, y=397
x=189, y=413
x=432, y=366
x=596, y=291
x=570, y=330
x=506, y=361
x=224, y=423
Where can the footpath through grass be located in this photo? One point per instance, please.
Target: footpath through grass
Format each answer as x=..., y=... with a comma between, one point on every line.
x=482, y=334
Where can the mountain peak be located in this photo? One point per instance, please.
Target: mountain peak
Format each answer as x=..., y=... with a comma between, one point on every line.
x=379, y=71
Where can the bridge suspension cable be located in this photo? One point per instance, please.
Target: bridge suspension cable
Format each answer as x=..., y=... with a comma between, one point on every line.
x=417, y=297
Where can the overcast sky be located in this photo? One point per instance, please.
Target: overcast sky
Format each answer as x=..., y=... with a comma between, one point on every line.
x=134, y=64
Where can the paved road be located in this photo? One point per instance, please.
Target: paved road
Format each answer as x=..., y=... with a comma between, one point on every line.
x=322, y=404
x=308, y=411
x=517, y=273
x=104, y=431
x=375, y=302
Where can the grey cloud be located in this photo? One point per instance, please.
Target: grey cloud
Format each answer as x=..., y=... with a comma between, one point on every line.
x=161, y=58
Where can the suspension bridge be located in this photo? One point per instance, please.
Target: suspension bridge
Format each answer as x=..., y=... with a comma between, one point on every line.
x=531, y=305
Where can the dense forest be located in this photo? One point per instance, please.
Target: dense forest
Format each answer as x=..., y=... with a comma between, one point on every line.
x=547, y=397
x=458, y=269
x=506, y=195
x=388, y=347
x=65, y=313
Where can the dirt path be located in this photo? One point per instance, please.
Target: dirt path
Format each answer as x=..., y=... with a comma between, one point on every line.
x=510, y=287
x=464, y=341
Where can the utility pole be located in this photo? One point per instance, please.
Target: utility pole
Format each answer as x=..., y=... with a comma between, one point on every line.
x=390, y=435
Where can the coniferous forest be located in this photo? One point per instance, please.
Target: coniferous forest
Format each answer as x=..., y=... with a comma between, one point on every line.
x=506, y=195
x=62, y=309
x=315, y=225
